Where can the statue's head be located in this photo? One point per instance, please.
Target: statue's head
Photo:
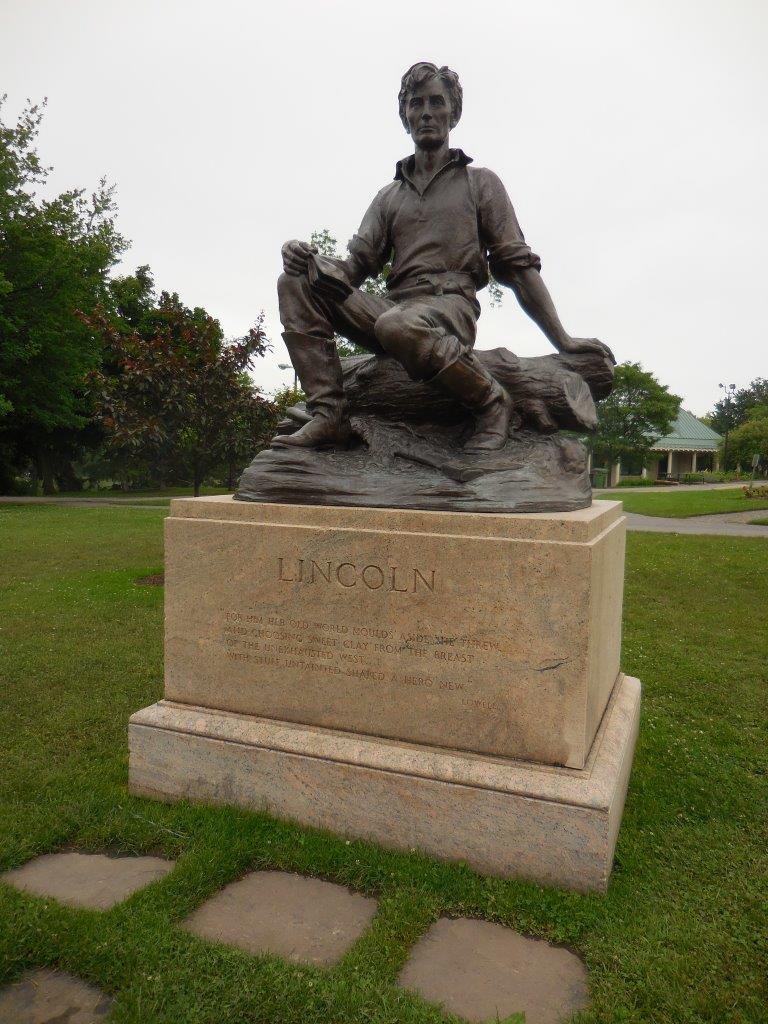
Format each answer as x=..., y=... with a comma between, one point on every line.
x=430, y=103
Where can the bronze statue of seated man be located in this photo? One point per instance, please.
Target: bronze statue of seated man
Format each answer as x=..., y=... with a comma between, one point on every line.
x=443, y=224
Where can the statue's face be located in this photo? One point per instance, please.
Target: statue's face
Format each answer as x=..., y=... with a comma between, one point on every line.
x=428, y=112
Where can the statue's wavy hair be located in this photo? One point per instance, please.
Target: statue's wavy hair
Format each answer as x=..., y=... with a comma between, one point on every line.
x=422, y=72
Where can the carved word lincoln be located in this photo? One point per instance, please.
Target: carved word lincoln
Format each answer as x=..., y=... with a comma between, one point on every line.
x=348, y=575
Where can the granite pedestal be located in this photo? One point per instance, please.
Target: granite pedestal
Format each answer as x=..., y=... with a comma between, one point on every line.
x=442, y=681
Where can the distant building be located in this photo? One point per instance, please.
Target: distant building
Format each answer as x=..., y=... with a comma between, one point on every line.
x=689, y=447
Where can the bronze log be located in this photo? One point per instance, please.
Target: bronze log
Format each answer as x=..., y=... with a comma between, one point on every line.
x=550, y=392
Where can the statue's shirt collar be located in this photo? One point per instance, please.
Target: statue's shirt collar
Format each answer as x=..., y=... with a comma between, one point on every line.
x=404, y=167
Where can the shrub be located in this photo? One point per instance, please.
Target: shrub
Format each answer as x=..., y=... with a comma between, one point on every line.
x=18, y=486
x=755, y=492
x=707, y=476
x=636, y=481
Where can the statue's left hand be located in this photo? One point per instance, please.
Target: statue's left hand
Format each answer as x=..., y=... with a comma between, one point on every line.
x=573, y=345
x=295, y=256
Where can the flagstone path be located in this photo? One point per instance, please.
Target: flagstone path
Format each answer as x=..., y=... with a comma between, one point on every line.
x=475, y=969
x=51, y=997
x=302, y=919
x=484, y=972
x=87, y=879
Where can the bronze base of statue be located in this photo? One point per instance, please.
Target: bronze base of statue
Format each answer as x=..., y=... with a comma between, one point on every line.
x=407, y=450
x=394, y=465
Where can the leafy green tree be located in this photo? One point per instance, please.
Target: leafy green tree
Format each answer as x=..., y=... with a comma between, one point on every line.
x=173, y=396
x=734, y=408
x=638, y=411
x=285, y=397
x=326, y=244
x=55, y=255
x=133, y=297
x=750, y=438
x=495, y=291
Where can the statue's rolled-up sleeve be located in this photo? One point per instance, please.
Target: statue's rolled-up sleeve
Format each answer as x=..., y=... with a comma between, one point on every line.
x=369, y=247
x=500, y=231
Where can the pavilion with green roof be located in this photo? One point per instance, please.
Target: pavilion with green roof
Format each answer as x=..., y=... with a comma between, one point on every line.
x=690, y=446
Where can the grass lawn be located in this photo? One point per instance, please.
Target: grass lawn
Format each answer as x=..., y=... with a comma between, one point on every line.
x=758, y=522
x=678, y=939
x=679, y=503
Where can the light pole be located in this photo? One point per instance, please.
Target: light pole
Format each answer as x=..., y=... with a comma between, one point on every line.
x=287, y=366
x=728, y=390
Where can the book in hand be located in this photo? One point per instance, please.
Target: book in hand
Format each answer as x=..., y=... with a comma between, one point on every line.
x=327, y=278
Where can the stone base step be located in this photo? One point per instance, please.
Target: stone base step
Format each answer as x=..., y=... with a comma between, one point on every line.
x=515, y=819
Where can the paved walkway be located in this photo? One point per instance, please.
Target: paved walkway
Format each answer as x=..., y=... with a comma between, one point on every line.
x=616, y=492
x=727, y=524
x=56, y=499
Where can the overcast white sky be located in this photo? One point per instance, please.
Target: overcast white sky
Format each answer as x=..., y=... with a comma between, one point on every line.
x=631, y=137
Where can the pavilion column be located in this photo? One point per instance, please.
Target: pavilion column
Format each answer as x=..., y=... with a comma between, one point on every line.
x=693, y=462
x=670, y=463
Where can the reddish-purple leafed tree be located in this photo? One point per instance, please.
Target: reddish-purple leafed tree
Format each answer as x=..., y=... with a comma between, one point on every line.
x=174, y=395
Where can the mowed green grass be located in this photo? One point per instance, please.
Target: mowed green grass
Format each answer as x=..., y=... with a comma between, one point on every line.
x=679, y=938
x=679, y=503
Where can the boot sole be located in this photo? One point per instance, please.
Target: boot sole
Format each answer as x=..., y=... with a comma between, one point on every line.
x=284, y=441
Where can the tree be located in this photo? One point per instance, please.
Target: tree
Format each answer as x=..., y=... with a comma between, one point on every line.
x=733, y=409
x=54, y=260
x=638, y=411
x=173, y=395
x=750, y=438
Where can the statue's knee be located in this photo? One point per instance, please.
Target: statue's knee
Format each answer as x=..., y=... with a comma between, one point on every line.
x=287, y=284
x=390, y=329
x=384, y=325
x=293, y=291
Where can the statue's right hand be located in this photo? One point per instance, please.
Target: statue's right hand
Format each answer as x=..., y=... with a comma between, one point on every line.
x=296, y=255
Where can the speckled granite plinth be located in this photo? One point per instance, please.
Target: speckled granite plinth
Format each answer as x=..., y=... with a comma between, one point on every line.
x=432, y=680
x=494, y=633
x=556, y=826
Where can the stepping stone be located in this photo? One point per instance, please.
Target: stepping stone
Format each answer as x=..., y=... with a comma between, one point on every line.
x=87, y=879
x=52, y=997
x=483, y=972
x=302, y=919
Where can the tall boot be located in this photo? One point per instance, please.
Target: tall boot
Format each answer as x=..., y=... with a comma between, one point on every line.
x=317, y=366
x=468, y=381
